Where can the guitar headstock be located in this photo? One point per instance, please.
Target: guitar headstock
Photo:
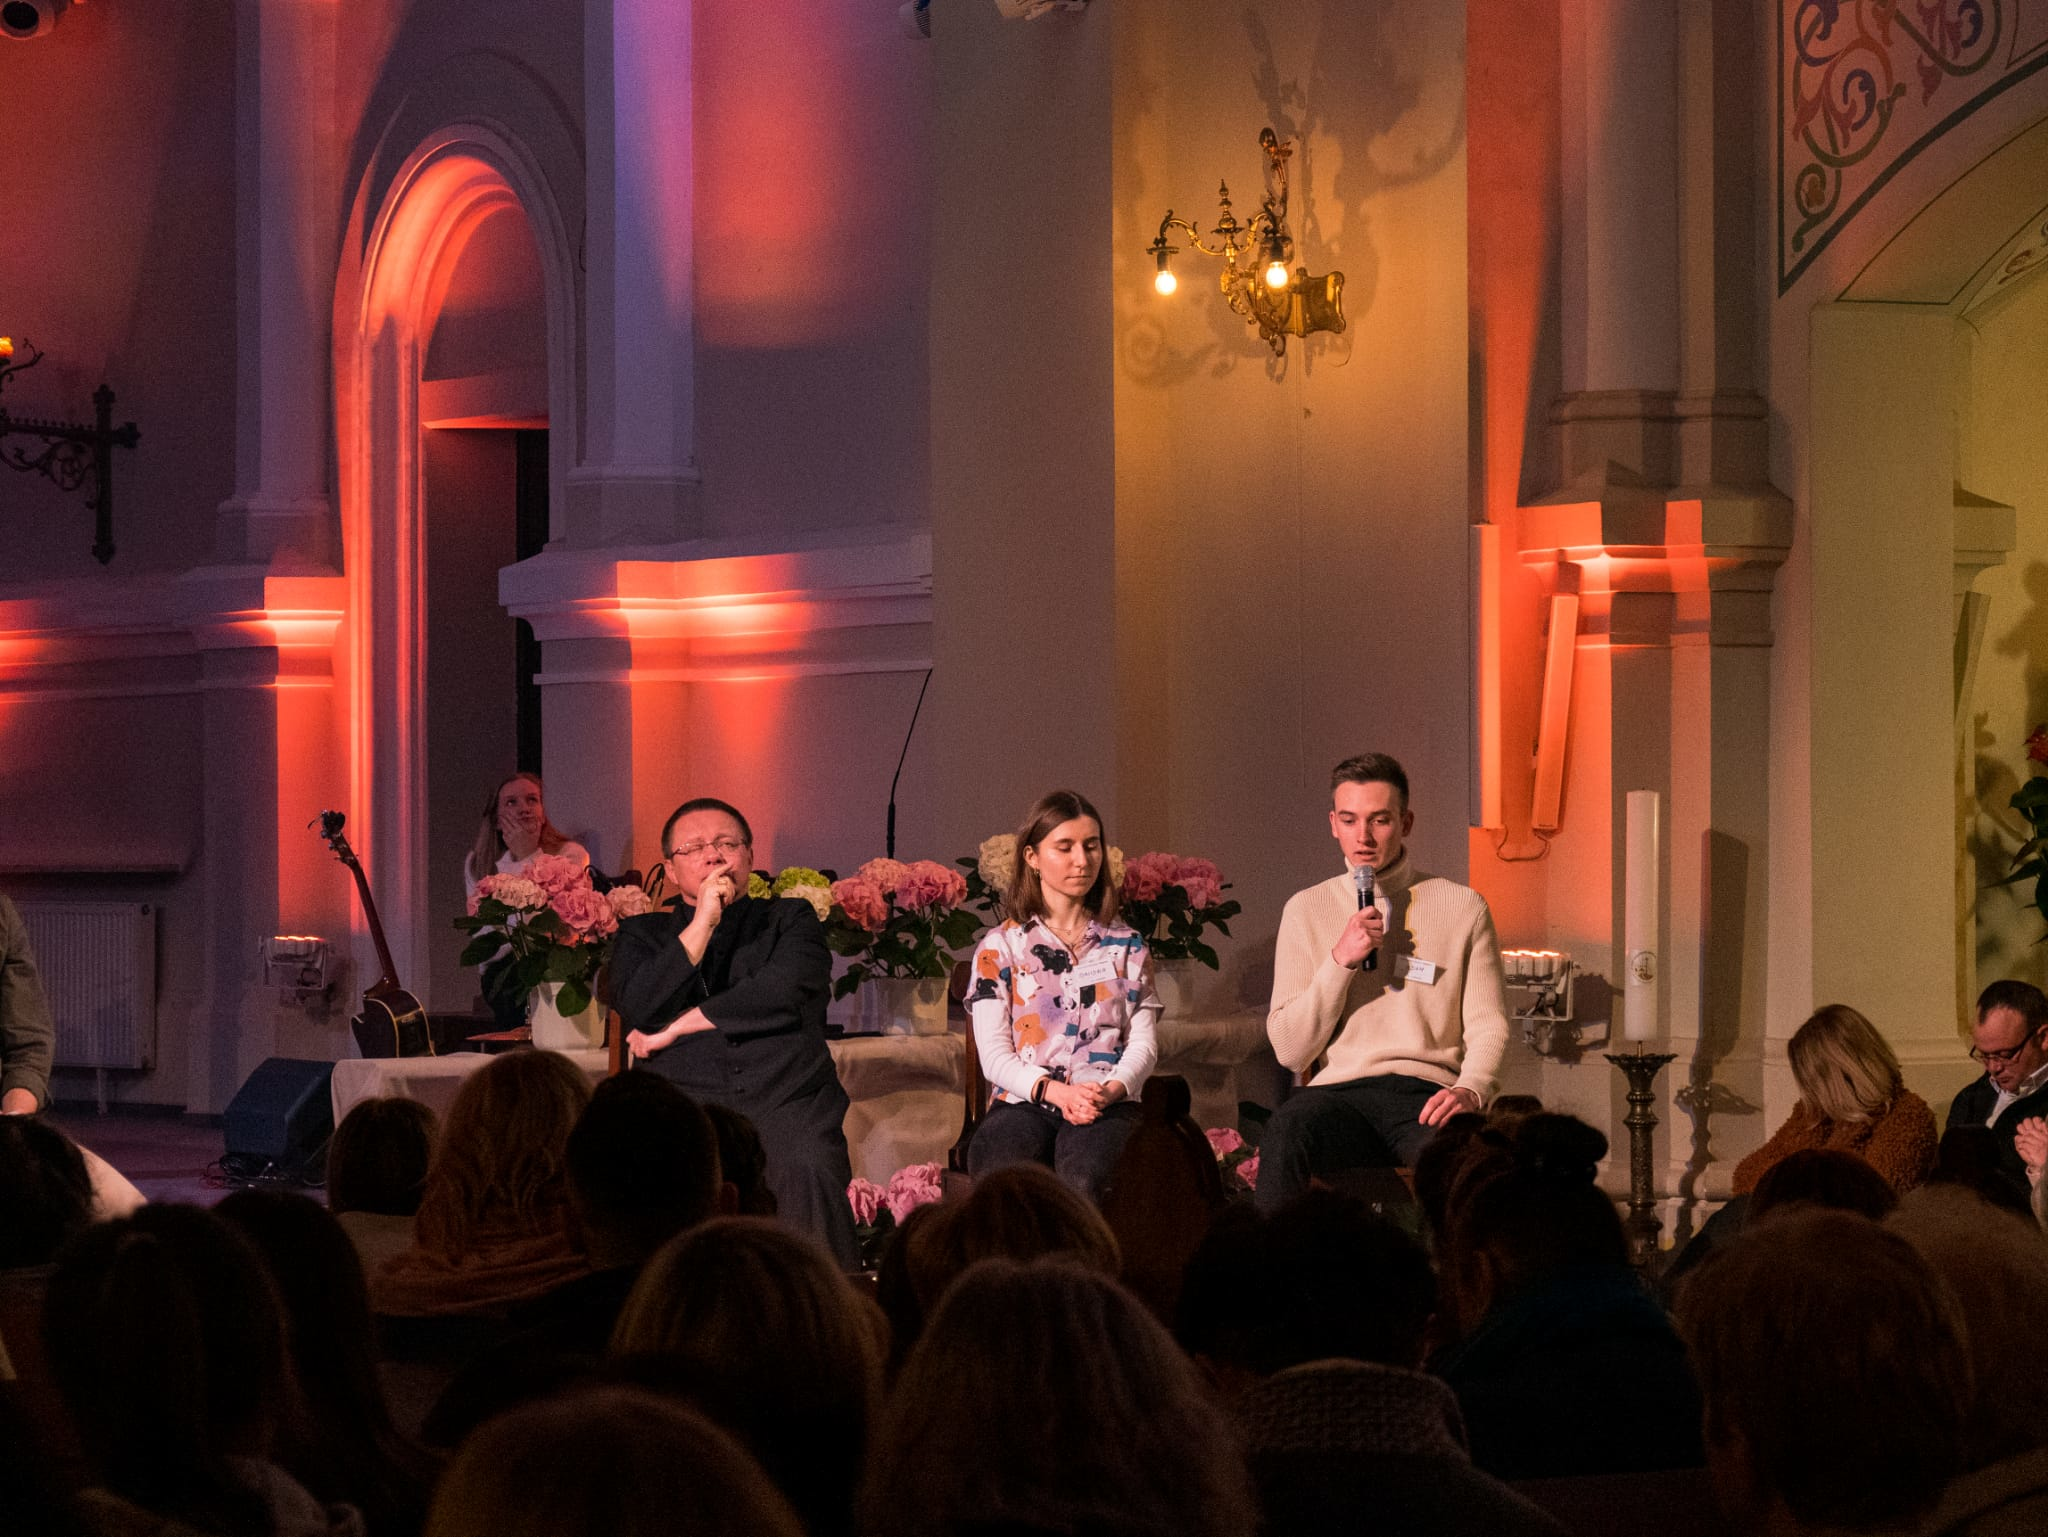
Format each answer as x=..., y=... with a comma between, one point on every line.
x=331, y=823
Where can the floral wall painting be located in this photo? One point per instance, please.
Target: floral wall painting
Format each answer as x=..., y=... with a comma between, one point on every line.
x=1865, y=85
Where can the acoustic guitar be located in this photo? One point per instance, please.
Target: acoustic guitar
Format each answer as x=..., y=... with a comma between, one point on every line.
x=392, y=1023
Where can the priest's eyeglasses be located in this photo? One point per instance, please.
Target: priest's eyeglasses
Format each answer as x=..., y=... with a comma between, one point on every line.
x=725, y=846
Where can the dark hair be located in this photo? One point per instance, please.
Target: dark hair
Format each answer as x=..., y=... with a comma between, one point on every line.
x=1826, y=1177
x=1100, y=1424
x=642, y=1163
x=1838, y=1358
x=1969, y=1156
x=1525, y=1206
x=1025, y=899
x=166, y=1340
x=704, y=803
x=45, y=1191
x=1371, y=768
x=1333, y=1280
x=342, y=1445
x=1440, y=1162
x=2023, y=998
x=379, y=1157
x=742, y=1160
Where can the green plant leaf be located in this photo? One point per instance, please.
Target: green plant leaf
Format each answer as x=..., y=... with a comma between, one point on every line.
x=481, y=949
x=573, y=999
x=2031, y=870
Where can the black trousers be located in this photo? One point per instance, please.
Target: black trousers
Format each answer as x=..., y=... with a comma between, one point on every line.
x=1366, y=1123
x=1083, y=1156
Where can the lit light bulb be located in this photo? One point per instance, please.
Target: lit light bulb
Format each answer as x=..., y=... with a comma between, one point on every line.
x=1276, y=274
x=1166, y=282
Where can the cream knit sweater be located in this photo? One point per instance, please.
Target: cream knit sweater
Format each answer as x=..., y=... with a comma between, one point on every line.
x=1332, y=1024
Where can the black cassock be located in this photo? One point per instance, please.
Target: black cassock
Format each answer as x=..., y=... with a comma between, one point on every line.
x=763, y=982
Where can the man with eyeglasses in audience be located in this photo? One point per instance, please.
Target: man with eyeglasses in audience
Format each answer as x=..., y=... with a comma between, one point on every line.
x=2010, y=1040
x=725, y=997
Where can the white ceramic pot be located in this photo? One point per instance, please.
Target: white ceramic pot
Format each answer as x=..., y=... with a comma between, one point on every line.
x=555, y=1031
x=1177, y=982
x=903, y=1005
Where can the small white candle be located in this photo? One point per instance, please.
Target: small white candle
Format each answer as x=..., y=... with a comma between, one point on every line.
x=1640, y=916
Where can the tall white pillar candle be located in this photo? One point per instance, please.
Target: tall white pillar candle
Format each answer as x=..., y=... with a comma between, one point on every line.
x=1640, y=916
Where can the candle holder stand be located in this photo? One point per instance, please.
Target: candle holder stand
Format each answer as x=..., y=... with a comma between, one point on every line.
x=1642, y=1226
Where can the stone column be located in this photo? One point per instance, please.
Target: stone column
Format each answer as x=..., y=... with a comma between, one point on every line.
x=638, y=481
x=286, y=208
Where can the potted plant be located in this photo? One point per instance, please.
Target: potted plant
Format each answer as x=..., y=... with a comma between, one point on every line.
x=2030, y=800
x=1171, y=900
x=900, y=924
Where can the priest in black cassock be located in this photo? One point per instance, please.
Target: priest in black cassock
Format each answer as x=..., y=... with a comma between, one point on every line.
x=725, y=997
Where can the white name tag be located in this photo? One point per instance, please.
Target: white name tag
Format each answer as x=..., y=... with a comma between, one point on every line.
x=1093, y=972
x=1415, y=969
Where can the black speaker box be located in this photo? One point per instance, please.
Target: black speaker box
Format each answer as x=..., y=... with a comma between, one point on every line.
x=283, y=1114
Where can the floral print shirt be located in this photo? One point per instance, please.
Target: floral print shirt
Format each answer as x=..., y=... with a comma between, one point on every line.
x=1083, y=1016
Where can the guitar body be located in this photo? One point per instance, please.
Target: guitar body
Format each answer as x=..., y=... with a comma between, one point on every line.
x=392, y=1023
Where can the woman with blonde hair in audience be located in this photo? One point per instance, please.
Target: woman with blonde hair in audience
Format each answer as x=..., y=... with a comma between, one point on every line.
x=1045, y=1398
x=1852, y=1099
x=493, y=1224
x=515, y=827
x=755, y=1323
x=606, y=1462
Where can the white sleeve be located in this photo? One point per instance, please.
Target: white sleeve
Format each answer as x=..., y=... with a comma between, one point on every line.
x=1000, y=1064
x=1141, y=1036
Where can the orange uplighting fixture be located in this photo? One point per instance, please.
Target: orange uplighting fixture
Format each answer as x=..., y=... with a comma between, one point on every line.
x=1255, y=280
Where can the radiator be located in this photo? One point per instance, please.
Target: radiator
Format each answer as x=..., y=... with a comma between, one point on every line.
x=98, y=964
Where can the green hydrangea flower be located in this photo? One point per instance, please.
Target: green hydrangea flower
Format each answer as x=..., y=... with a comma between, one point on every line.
x=757, y=884
x=798, y=875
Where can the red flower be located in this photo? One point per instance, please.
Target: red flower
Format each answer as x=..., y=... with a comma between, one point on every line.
x=2037, y=745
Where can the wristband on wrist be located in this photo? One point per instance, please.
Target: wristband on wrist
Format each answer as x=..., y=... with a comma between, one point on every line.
x=1038, y=1089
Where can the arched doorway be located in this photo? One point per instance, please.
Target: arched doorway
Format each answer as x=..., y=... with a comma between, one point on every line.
x=457, y=321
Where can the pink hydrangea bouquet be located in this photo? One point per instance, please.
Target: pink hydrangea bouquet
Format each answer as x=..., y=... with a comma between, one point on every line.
x=1170, y=900
x=552, y=923
x=1236, y=1159
x=878, y=1210
x=894, y=919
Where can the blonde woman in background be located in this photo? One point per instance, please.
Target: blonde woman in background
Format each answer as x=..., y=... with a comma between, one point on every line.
x=1853, y=1099
x=515, y=827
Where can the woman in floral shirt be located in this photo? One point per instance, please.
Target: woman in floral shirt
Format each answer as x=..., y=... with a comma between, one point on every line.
x=1063, y=1006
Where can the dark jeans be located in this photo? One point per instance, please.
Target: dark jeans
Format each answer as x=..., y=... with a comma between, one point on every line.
x=1083, y=1156
x=1366, y=1123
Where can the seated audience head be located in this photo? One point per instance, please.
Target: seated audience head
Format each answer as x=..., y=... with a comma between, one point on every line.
x=1844, y=1069
x=343, y=1445
x=911, y=1277
x=1332, y=1279
x=1835, y=1369
x=1996, y=1262
x=1437, y=1166
x=760, y=1327
x=1969, y=1156
x=643, y=1166
x=45, y=1191
x=378, y=1159
x=606, y=1462
x=1525, y=1206
x=515, y=817
x=1061, y=824
x=502, y=1155
x=1024, y=1211
x=1826, y=1177
x=2010, y=1037
x=742, y=1161
x=167, y=1343
x=1045, y=1398
x=1513, y=1107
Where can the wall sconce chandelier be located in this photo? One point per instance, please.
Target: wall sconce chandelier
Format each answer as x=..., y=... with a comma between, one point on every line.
x=1256, y=256
x=70, y=450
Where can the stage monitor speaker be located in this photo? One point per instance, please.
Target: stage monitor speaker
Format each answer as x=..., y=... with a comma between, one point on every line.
x=283, y=1114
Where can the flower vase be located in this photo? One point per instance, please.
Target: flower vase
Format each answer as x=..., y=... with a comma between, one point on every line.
x=904, y=1005
x=1176, y=982
x=555, y=1031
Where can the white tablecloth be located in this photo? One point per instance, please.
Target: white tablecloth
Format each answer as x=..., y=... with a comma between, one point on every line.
x=1211, y=1051
x=907, y=1092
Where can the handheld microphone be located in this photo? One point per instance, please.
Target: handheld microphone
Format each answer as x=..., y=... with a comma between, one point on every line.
x=1361, y=877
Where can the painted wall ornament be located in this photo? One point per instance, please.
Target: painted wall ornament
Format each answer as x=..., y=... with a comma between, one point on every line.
x=1865, y=85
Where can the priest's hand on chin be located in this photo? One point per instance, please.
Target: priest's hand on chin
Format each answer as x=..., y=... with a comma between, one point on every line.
x=643, y=1043
x=18, y=1102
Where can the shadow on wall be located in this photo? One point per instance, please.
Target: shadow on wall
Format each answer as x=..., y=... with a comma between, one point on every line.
x=1371, y=92
x=1724, y=947
x=2009, y=927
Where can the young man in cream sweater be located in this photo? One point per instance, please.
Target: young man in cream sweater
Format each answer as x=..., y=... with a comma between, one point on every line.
x=1393, y=1012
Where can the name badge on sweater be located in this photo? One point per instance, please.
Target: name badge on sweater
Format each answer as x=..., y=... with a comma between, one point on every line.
x=1415, y=969
x=1098, y=969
